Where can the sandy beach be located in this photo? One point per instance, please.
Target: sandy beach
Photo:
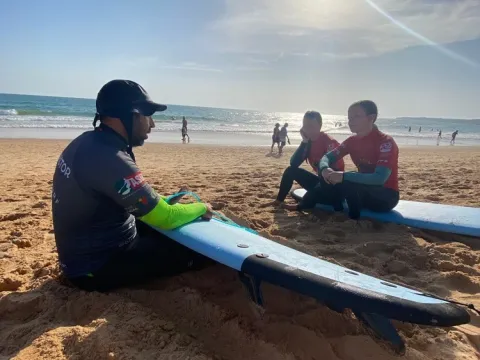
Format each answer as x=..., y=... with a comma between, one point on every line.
x=206, y=314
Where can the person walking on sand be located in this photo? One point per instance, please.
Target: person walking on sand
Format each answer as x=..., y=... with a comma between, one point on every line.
x=185, y=130
x=454, y=135
x=103, y=208
x=275, y=137
x=283, y=135
x=439, y=137
x=315, y=144
x=375, y=185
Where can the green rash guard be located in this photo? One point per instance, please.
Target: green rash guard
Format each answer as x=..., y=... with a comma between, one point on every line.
x=169, y=217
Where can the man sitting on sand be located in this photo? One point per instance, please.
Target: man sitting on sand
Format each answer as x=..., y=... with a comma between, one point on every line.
x=98, y=192
x=315, y=144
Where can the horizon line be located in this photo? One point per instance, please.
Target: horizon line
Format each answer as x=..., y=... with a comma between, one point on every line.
x=233, y=108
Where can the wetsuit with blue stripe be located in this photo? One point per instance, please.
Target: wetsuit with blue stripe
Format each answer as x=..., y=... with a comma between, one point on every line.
x=375, y=185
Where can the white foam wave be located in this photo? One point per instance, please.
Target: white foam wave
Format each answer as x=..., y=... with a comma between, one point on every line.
x=8, y=112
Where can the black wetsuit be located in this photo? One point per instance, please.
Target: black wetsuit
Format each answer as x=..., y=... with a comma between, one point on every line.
x=97, y=193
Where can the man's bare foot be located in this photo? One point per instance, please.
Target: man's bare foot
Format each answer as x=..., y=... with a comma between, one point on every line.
x=290, y=207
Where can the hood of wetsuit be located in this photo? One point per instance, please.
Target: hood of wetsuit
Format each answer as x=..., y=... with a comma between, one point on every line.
x=127, y=121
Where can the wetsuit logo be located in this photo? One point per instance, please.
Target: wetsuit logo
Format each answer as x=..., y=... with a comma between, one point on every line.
x=385, y=147
x=63, y=167
x=131, y=183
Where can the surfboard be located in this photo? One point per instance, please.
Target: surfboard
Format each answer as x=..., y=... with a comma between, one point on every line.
x=257, y=259
x=453, y=219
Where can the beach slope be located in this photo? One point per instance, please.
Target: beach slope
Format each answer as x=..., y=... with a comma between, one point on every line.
x=207, y=314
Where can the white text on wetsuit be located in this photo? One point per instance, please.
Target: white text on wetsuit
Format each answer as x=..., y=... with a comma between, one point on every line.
x=64, y=168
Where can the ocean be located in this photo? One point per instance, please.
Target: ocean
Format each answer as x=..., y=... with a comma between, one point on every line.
x=58, y=117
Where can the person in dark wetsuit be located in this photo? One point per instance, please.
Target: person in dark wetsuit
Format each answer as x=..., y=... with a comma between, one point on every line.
x=276, y=137
x=314, y=145
x=98, y=194
x=283, y=137
x=375, y=185
x=454, y=135
x=184, y=130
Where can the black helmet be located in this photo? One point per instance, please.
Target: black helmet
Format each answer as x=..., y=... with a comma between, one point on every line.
x=121, y=99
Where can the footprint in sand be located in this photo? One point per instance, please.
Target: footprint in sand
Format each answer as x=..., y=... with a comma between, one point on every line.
x=10, y=200
x=13, y=216
x=10, y=283
x=22, y=243
x=433, y=198
x=461, y=282
x=264, y=196
x=236, y=198
x=338, y=233
x=288, y=233
x=21, y=307
x=450, y=266
x=468, y=258
x=260, y=224
x=218, y=205
x=40, y=205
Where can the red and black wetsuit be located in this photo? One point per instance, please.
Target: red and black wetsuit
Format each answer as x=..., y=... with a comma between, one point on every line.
x=312, y=152
x=375, y=185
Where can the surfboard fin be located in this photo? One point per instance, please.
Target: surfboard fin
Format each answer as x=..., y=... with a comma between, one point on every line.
x=252, y=284
x=383, y=329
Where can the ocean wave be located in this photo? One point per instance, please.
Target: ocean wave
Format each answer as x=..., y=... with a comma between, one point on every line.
x=8, y=112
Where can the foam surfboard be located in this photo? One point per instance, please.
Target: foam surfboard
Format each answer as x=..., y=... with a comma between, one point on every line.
x=372, y=300
x=460, y=220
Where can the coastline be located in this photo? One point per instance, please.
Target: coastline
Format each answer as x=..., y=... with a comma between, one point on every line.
x=216, y=138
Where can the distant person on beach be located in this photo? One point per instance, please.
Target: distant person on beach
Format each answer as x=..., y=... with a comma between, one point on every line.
x=409, y=128
x=315, y=144
x=102, y=205
x=283, y=135
x=454, y=135
x=420, y=129
x=276, y=137
x=439, y=137
x=375, y=185
x=185, y=130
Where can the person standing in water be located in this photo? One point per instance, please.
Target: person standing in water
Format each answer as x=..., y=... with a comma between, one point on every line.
x=184, y=130
x=454, y=135
x=276, y=137
x=315, y=144
x=375, y=185
x=283, y=135
x=439, y=137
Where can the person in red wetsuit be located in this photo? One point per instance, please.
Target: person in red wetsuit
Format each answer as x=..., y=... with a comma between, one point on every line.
x=315, y=144
x=375, y=185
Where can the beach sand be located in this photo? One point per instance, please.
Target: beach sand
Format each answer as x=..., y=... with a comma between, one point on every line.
x=207, y=314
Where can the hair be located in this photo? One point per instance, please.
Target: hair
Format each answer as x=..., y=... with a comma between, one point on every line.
x=368, y=106
x=313, y=115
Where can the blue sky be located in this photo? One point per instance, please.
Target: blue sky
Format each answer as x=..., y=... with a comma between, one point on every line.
x=413, y=57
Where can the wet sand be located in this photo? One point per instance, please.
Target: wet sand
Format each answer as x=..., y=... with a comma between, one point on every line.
x=206, y=314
